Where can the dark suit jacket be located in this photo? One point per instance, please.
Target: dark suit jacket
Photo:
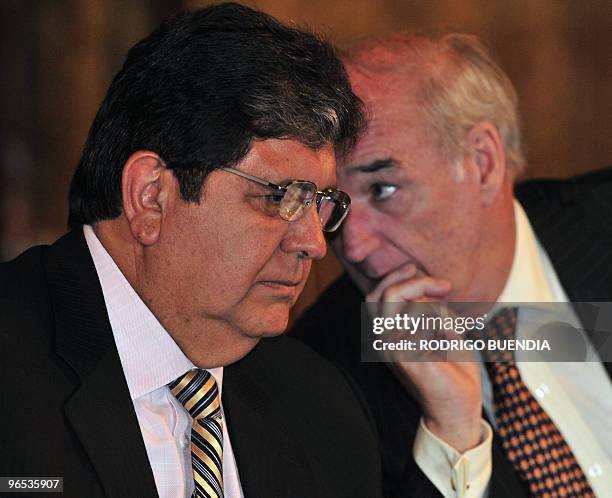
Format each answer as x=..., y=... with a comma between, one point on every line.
x=572, y=219
x=297, y=428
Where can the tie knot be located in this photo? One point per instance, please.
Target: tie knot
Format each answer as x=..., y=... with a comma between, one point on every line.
x=198, y=393
x=501, y=326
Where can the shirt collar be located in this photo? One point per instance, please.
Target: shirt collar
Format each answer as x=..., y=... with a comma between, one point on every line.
x=532, y=277
x=149, y=356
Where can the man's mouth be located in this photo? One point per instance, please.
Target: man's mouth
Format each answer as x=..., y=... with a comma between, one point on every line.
x=288, y=289
x=372, y=274
x=281, y=284
x=376, y=276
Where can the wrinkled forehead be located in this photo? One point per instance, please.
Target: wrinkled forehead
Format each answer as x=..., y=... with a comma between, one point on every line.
x=393, y=130
x=395, y=118
x=283, y=160
x=374, y=84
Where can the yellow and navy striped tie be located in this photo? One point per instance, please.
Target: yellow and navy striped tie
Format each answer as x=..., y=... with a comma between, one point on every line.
x=197, y=391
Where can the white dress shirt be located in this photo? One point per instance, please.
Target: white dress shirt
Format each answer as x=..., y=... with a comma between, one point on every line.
x=577, y=396
x=151, y=359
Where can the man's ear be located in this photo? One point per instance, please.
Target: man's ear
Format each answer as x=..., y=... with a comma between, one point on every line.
x=142, y=195
x=485, y=149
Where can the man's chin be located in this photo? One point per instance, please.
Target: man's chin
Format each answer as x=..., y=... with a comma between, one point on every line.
x=269, y=325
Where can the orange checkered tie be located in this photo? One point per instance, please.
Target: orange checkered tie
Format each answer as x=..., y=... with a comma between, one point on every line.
x=532, y=443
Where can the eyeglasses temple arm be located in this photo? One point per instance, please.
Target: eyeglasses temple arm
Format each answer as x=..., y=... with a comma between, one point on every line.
x=253, y=178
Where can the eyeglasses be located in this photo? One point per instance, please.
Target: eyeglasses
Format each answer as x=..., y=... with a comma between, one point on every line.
x=288, y=201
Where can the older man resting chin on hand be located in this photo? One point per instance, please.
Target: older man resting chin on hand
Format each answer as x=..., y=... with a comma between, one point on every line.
x=436, y=216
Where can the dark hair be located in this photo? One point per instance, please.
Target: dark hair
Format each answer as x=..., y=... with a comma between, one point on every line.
x=199, y=89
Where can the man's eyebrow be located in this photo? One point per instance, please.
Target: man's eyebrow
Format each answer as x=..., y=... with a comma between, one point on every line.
x=291, y=179
x=374, y=166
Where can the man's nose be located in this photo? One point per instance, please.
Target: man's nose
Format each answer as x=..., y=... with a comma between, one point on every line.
x=358, y=236
x=305, y=235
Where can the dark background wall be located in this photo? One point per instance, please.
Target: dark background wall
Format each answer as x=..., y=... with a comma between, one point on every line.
x=57, y=58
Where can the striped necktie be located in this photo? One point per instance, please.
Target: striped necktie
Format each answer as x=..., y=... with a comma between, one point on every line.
x=197, y=391
x=531, y=441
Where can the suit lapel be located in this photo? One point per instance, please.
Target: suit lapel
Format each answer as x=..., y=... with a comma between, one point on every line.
x=106, y=425
x=269, y=463
x=100, y=411
x=572, y=221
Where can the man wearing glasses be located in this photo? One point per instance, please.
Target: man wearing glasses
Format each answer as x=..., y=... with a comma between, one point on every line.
x=137, y=363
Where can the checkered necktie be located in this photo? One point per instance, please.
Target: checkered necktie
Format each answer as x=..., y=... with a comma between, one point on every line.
x=532, y=443
x=197, y=391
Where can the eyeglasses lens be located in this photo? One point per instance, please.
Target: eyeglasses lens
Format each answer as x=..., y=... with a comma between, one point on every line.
x=333, y=206
x=297, y=196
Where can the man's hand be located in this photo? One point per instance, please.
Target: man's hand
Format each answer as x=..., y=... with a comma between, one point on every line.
x=449, y=392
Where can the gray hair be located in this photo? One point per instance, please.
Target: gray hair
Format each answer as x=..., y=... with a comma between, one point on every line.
x=459, y=85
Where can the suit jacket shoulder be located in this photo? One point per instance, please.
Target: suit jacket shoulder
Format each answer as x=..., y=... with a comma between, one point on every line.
x=296, y=412
x=571, y=218
x=68, y=410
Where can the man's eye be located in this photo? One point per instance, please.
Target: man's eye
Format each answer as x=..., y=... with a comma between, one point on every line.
x=268, y=203
x=274, y=198
x=382, y=191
